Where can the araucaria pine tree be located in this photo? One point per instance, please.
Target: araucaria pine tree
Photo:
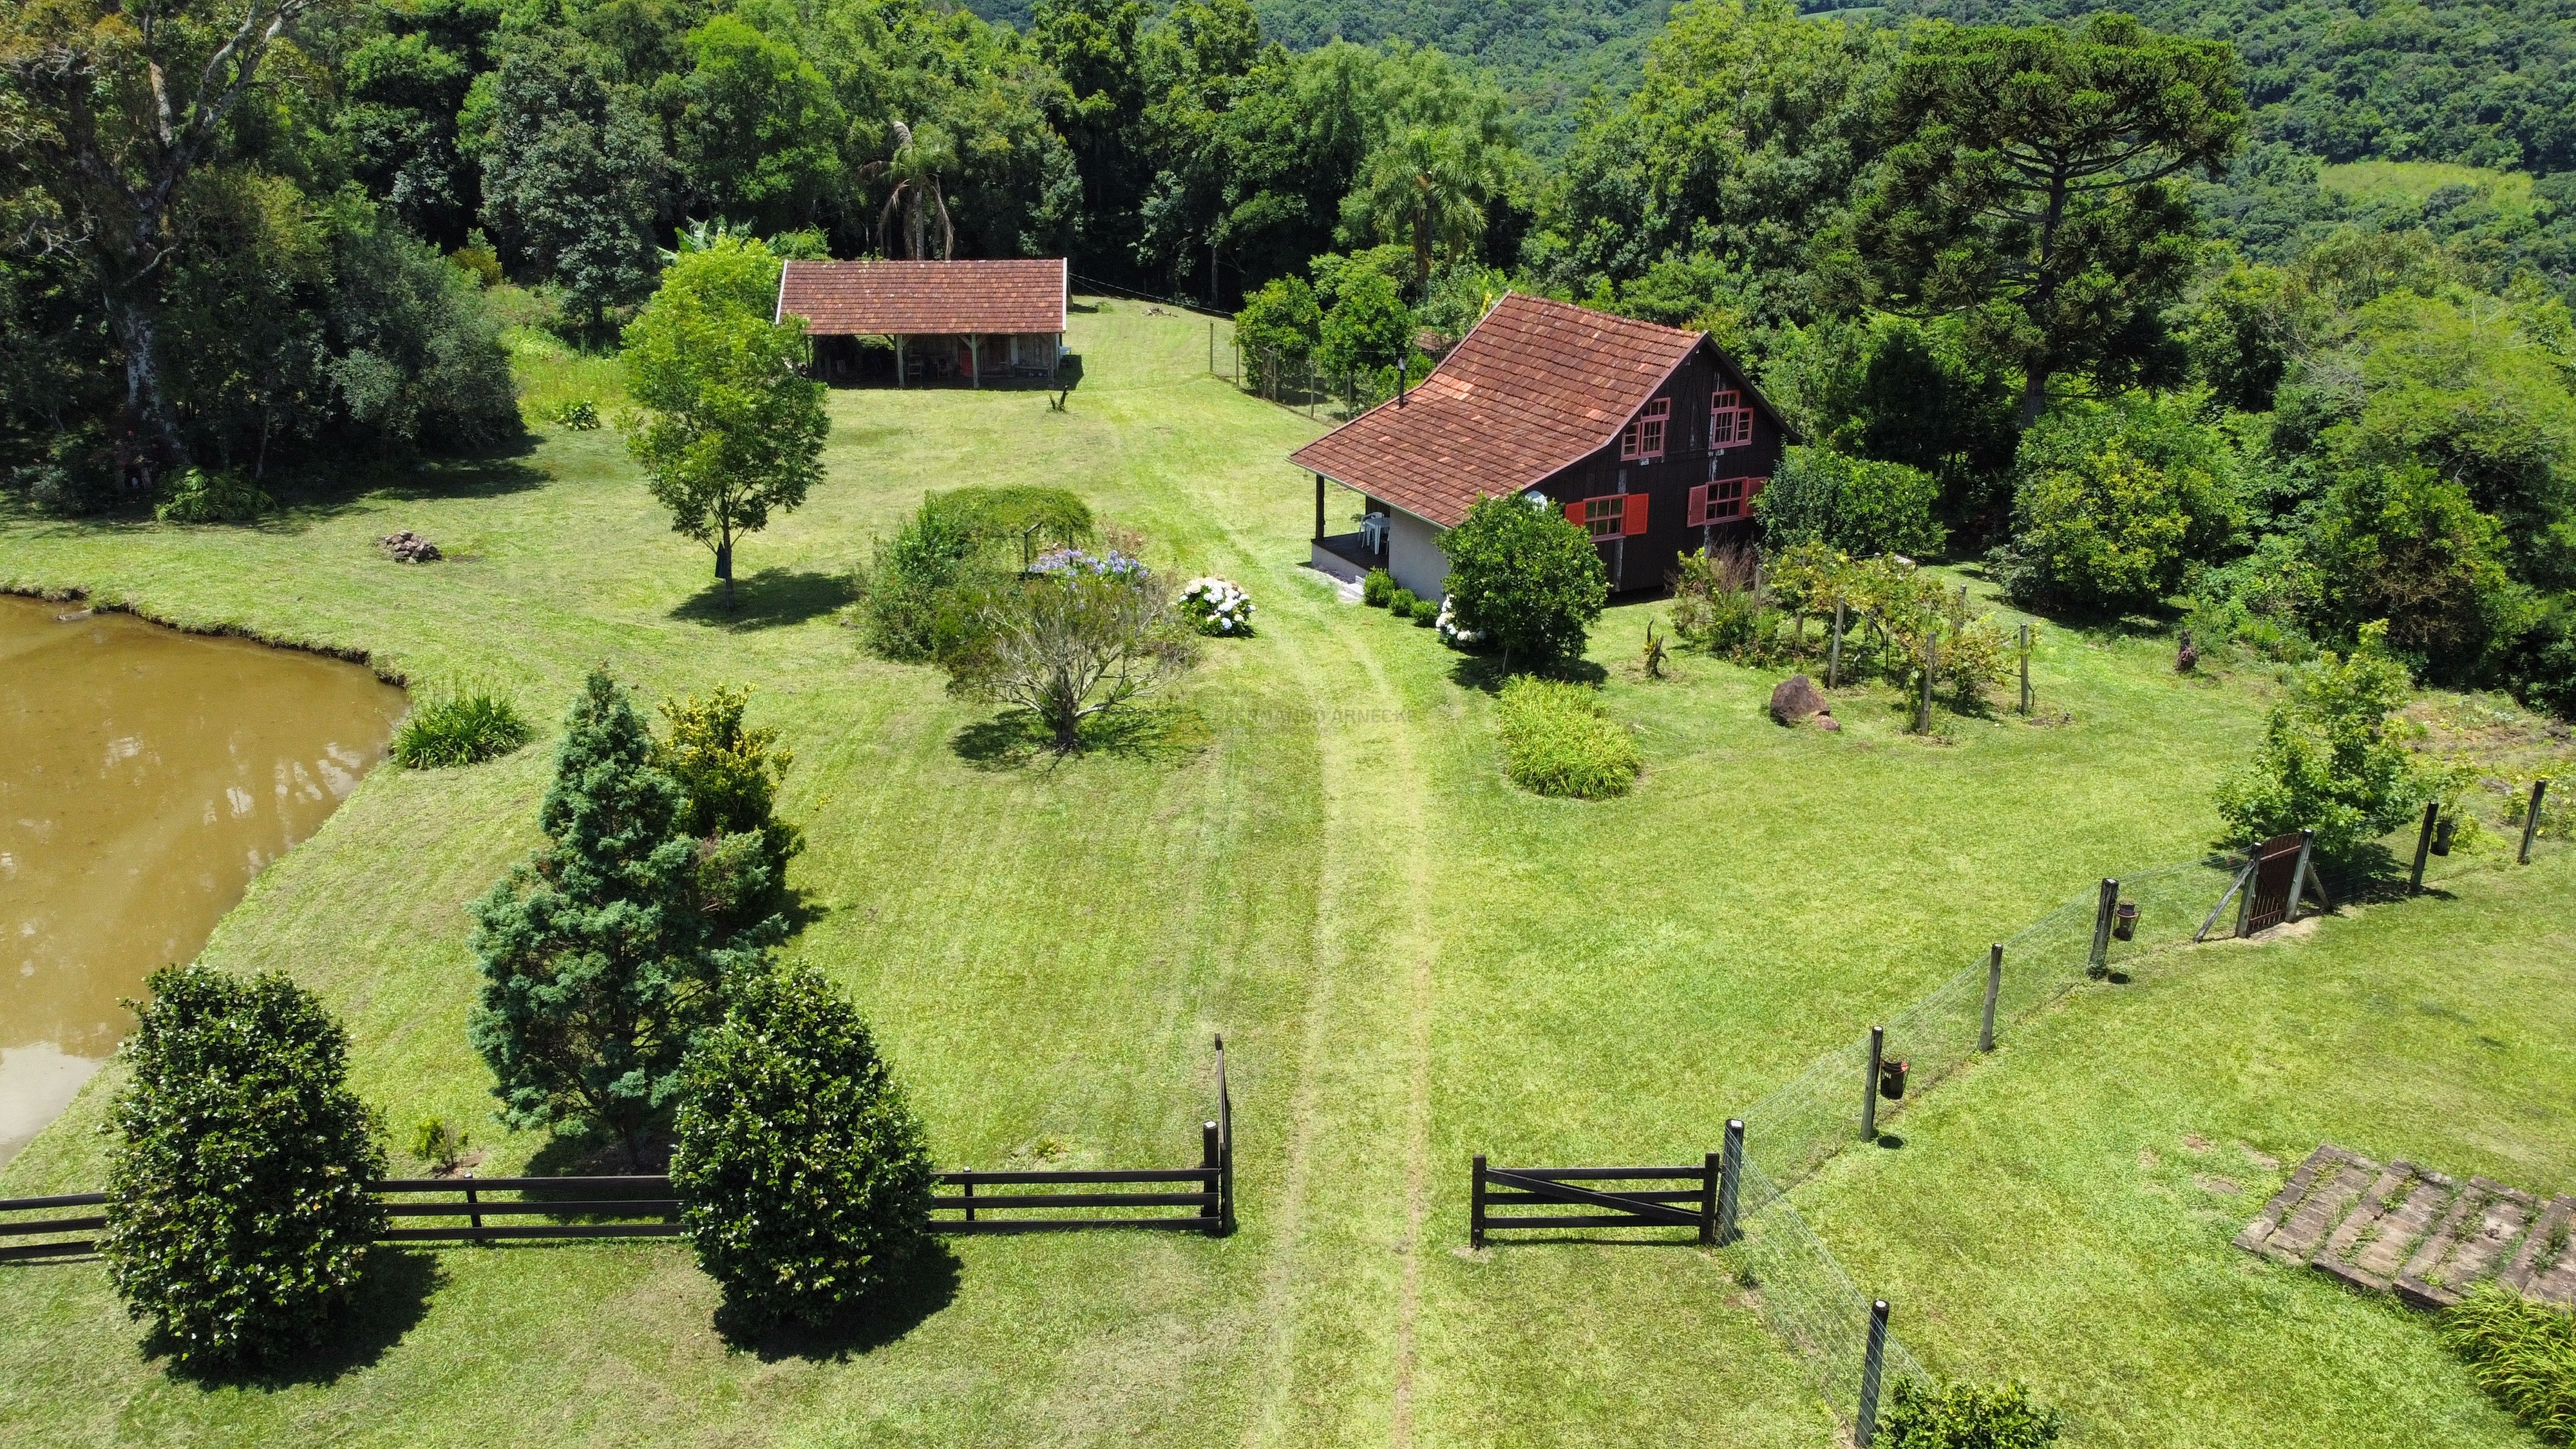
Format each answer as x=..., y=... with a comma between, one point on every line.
x=600, y=965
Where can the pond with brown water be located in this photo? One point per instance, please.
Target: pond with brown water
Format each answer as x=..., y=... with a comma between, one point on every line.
x=146, y=776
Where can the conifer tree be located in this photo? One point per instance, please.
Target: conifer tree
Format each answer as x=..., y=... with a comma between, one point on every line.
x=599, y=965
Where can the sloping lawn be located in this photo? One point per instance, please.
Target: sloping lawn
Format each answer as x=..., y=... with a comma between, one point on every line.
x=1315, y=854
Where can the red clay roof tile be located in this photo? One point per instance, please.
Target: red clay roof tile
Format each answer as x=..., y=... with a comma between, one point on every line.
x=1536, y=386
x=923, y=298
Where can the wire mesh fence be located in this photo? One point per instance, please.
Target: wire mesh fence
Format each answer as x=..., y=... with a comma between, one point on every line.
x=1801, y=1292
x=1301, y=384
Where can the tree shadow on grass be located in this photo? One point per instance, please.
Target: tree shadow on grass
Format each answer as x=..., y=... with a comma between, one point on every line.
x=768, y=599
x=1485, y=673
x=925, y=1283
x=1015, y=739
x=389, y=1302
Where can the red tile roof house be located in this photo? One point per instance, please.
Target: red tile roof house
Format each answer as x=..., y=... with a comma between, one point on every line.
x=966, y=323
x=1649, y=438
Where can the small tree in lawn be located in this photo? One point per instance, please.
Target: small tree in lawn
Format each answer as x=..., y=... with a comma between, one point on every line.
x=728, y=777
x=1525, y=579
x=729, y=430
x=600, y=964
x=2333, y=757
x=1082, y=637
x=239, y=1210
x=803, y=1178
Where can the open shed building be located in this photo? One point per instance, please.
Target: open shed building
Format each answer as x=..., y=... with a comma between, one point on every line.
x=960, y=324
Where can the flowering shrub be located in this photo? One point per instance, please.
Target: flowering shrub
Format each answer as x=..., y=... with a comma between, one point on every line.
x=1106, y=564
x=1217, y=607
x=1447, y=622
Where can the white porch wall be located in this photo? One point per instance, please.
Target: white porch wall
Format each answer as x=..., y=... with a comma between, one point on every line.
x=1413, y=554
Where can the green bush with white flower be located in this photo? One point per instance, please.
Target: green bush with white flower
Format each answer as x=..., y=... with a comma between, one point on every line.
x=1215, y=606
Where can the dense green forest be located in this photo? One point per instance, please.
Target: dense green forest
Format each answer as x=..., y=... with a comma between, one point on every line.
x=2258, y=319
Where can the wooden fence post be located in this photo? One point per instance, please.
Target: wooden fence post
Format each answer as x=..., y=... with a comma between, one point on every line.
x=1730, y=1183
x=2025, y=669
x=2244, y=882
x=1869, y=1096
x=1873, y=1367
x=2423, y=847
x=1923, y=717
x=966, y=1180
x=2531, y=820
x=1224, y=1145
x=2299, y=875
x=1994, y=988
x=1834, y=654
x=1211, y=1157
x=2099, y=964
x=1712, y=1169
x=1476, y=1207
x=471, y=1216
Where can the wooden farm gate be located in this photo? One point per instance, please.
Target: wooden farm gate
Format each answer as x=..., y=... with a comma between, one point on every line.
x=1702, y=1198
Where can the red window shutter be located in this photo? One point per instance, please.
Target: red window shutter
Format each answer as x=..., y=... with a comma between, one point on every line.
x=1698, y=513
x=1752, y=490
x=1744, y=425
x=1574, y=513
x=1636, y=519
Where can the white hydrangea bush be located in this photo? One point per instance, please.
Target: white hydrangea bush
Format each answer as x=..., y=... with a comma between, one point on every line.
x=1448, y=625
x=1217, y=606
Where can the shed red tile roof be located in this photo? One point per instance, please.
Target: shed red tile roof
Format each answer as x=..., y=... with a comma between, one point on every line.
x=918, y=298
x=1536, y=386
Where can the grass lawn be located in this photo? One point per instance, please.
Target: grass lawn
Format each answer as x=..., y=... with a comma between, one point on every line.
x=1411, y=962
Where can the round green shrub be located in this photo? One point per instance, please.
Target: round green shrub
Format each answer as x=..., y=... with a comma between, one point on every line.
x=239, y=1207
x=1401, y=603
x=465, y=728
x=1377, y=589
x=1558, y=740
x=804, y=1179
x=1966, y=1416
x=1524, y=579
x=1426, y=612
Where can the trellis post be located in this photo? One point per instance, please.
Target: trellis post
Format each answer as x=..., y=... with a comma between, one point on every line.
x=2025, y=669
x=2423, y=847
x=1994, y=989
x=1873, y=1368
x=2100, y=961
x=2531, y=821
x=1869, y=1092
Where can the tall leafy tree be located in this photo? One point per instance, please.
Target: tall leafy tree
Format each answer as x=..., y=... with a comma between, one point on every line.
x=728, y=430
x=760, y=133
x=599, y=967
x=573, y=169
x=2029, y=187
x=111, y=111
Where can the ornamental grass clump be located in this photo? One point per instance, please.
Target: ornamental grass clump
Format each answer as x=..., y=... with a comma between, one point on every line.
x=239, y=1210
x=1216, y=606
x=465, y=727
x=804, y=1179
x=1558, y=740
x=2520, y=1351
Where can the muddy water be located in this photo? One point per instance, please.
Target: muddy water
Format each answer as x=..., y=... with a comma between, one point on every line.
x=145, y=776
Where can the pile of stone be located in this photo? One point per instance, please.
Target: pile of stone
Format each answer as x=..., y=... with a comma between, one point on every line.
x=1797, y=701
x=409, y=547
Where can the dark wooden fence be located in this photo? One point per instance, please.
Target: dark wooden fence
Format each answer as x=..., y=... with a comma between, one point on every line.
x=1704, y=1197
x=645, y=1207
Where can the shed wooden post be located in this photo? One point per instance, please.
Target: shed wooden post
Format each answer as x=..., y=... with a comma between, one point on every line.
x=898, y=360
x=1319, y=508
x=975, y=358
x=2531, y=821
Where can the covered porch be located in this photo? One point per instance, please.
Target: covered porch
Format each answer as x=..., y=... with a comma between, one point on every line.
x=1349, y=556
x=938, y=359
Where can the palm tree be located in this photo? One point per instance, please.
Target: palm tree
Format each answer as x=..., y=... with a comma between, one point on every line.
x=1431, y=182
x=916, y=165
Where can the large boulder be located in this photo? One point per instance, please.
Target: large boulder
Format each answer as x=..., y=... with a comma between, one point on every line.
x=1796, y=700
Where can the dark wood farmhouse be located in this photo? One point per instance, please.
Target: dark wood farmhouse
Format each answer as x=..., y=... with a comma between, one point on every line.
x=948, y=322
x=1650, y=438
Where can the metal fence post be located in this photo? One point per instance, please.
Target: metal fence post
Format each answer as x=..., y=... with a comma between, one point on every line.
x=1476, y=1207
x=1730, y=1183
x=2100, y=962
x=1994, y=988
x=2299, y=875
x=1869, y=1094
x=2423, y=847
x=1873, y=1366
x=2531, y=820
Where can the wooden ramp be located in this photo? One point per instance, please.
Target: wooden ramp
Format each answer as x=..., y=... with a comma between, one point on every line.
x=2427, y=1237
